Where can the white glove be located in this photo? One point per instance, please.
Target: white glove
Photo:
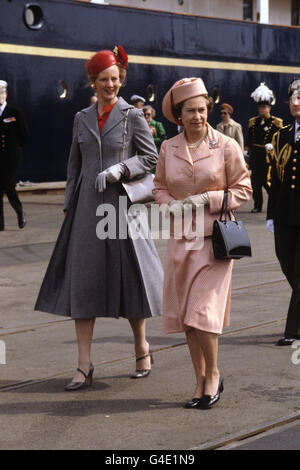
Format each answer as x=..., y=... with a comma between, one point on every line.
x=269, y=147
x=270, y=225
x=197, y=200
x=113, y=174
x=176, y=207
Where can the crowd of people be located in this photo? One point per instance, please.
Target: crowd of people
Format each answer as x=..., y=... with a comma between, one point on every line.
x=115, y=142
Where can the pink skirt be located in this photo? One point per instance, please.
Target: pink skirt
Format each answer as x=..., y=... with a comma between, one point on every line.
x=197, y=289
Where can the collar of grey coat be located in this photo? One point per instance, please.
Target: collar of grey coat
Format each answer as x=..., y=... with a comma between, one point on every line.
x=117, y=114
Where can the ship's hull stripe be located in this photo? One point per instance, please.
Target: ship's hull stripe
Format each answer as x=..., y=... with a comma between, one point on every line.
x=148, y=60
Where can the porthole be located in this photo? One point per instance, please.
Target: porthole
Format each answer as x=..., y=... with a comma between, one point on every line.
x=151, y=93
x=274, y=100
x=216, y=95
x=33, y=16
x=62, y=89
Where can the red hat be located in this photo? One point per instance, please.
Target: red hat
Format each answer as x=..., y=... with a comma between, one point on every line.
x=227, y=107
x=104, y=59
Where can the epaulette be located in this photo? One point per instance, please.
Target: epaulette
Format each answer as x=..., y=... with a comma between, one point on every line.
x=277, y=121
x=252, y=121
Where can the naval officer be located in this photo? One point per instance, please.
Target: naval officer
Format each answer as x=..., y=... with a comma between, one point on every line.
x=283, y=214
x=13, y=136
x=261, y=131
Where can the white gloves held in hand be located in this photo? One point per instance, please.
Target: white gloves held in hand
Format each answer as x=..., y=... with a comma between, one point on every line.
x=197, y=200
x=113, y=174
x=176, y=207
x=270, y=225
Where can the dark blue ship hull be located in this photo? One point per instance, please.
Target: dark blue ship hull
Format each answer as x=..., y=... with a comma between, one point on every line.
x=232, y=57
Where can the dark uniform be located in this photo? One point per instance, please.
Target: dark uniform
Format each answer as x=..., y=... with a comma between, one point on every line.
x=261, y=131
x=13, y=136
x=284, y=209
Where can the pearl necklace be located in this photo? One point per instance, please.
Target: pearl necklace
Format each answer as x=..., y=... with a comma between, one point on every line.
x=196, y=144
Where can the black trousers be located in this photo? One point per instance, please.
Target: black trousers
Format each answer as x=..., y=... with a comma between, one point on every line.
x=287, y=246
x=259, y=181
x=14, y=200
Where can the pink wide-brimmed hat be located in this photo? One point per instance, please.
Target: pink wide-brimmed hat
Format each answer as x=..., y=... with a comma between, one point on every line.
x=182, y=90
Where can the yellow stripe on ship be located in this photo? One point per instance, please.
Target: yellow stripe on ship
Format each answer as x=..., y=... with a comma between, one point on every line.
x=147, y=60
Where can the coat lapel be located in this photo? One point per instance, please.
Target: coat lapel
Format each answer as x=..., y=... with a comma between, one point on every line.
x=90, y=120
x=116, y=115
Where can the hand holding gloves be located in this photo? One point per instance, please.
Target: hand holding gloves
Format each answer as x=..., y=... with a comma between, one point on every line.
x=176, y=207
x=113, y=174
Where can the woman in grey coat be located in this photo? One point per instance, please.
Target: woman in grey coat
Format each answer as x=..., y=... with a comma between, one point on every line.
x=91, y=275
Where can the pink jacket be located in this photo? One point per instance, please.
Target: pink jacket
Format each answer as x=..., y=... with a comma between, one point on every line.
x=221, y=166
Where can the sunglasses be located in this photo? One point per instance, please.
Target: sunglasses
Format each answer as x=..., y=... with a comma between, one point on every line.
x=223, y=112
x=147, y=114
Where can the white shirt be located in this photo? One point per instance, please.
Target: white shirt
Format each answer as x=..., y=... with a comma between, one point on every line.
x=2, y=107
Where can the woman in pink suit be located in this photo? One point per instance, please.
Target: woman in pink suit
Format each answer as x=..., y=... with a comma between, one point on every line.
x=195, y=168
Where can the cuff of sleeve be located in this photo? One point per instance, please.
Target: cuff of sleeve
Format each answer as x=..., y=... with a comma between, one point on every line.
x=215, y=201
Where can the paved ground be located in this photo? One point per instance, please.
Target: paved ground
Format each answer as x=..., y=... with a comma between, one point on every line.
x=261, y=380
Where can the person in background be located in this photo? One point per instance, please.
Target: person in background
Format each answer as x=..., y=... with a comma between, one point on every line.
x=230, y=127
x=261, y=130
x=283, y=213
x=94, y=275
x=194, y=169
x=13, y=137
x=137, y=101
x=157, y=128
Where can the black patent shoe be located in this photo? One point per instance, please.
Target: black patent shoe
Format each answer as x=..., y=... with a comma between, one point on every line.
x=193, y=403
x=207, y=401
x=72, y=386
x=22, y=219
x=286, y=341
x=141, y=373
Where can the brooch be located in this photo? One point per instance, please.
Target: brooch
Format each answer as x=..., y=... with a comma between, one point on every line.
x=213, y=144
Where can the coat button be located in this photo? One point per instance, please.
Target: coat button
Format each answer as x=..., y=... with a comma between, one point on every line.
x=296, y=151
x=293, y=177
x=294, y=160
x=294, y=168
x=293, y=186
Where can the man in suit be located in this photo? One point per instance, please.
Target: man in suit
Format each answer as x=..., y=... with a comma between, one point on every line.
x=230, y=127
x=261, y=131
x=283, y=215
x=13, y=136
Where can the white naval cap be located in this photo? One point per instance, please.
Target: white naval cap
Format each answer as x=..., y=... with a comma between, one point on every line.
x=137, y=98
x=3, y=86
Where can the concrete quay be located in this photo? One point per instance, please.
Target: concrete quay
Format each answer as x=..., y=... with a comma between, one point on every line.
x=261, y=380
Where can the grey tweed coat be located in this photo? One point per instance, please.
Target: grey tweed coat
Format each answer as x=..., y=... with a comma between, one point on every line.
x=89, y=277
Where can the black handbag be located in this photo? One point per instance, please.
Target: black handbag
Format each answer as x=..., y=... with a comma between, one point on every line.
x=230, y=239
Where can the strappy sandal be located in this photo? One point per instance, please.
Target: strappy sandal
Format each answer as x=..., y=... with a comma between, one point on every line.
x=141, y=373
x=72, y=386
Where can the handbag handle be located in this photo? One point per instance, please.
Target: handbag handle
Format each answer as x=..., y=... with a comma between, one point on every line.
x=225, y=210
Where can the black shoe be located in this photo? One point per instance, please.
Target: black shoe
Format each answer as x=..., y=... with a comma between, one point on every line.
x=255, y=211
x=193, y=403
x=72, y=386
x=207, y=401
x=141, y=373
x=22, y=219
x=286, y=341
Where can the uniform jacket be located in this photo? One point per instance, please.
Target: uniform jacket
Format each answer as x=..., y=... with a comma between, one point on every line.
x=234, y=130
x=284, y=199
x=13, y=137
x=220, y=167
x=79, y=262
x=261, y=133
